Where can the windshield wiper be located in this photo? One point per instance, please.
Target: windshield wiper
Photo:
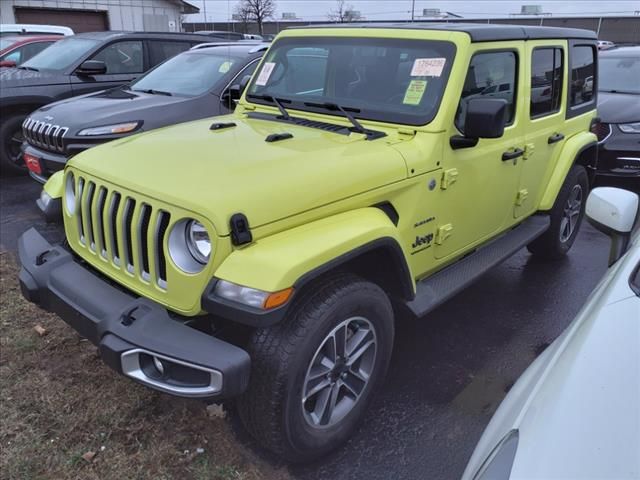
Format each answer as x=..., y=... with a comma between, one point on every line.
x=154, y=92
x=333, y=107
x=32, y=69
x=278, y=102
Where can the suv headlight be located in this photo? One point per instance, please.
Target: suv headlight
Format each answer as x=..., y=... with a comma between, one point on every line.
x=70, y=194
x=630, y=127
x=498, y=464
x=190, y=245
x=110, y=129
x=198, y=241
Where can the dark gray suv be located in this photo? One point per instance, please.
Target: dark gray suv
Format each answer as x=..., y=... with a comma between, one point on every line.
x=74, y=66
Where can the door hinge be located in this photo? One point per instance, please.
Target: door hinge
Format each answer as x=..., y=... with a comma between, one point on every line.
x=522, y=196
x=449, y=177
x=528, y=151
x=406, y=133
x=443, y=233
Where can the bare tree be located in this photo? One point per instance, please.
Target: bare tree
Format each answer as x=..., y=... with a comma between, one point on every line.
x=243, y=14
x=258, y=10
x=344, y=13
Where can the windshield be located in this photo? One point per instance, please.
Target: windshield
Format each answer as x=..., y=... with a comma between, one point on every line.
x=391, y=80
x=619, y=74
x=61, y=54
x=189, y=74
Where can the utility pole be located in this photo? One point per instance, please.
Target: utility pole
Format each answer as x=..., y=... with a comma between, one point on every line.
x=413, y=9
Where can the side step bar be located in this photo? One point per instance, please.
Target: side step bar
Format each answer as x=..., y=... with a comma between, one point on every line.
x=441, y=286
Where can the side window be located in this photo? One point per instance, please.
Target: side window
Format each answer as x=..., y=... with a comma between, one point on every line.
x=582, y=74
x=161, y=50
x=546, y=81
x=122, y=57
x=15, y=56
x=490, y=75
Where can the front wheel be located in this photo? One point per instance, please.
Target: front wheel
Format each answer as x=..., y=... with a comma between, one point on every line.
x=566, y=217
x=10, y=142
x=314, y=374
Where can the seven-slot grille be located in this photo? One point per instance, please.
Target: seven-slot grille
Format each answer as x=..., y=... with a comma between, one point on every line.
x=125, y=231
x=44, y=135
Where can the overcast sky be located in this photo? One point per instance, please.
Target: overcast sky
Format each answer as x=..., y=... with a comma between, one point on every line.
x=221, y=10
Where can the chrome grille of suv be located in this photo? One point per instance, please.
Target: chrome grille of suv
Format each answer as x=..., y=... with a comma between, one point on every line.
x=44, y=135
x=126, y=231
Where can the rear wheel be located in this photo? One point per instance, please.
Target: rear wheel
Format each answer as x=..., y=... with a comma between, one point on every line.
x=566, y=217
x=314, y=374
x=10, y=142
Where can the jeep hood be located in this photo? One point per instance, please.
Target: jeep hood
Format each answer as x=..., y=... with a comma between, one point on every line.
x=217, y=173
x=16, y=77
x=117, y=105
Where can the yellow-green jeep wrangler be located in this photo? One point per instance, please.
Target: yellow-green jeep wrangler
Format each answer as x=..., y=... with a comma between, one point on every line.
x=260, y=256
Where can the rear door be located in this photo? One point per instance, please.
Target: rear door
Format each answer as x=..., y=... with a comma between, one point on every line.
x=125, y=61
x=543, y=119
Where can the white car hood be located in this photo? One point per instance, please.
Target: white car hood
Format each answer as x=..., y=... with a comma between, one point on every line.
x=583, y=421
x=577, y=407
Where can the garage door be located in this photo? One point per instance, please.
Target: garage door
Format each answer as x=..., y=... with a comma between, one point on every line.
x=78, y=20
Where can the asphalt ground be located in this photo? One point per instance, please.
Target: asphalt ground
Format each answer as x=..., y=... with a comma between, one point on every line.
x=450, y=370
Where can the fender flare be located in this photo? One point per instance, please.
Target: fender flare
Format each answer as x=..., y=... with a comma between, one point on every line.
x=296, y=257
x=571, y=152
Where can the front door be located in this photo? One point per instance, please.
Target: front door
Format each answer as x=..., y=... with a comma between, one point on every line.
x=543, y=120
x=124, y=61
x=478, y=186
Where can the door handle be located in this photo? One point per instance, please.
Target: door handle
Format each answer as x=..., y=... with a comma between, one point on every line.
x=556, y=137
x=512, y=155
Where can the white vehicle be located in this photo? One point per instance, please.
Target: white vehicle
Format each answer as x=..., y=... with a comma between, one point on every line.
x=605, y=44
x=18, y=28
x=575, y=412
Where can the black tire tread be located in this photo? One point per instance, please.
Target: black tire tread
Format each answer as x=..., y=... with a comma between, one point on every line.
x=272, y=350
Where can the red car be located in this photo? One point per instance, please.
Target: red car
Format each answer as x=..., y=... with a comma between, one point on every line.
x=17, y=49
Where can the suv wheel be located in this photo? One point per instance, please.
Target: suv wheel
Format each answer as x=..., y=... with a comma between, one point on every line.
x=10, y=141
x=314, y=374
x=566, y=217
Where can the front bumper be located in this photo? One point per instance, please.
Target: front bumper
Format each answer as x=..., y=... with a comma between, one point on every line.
x=135, y=336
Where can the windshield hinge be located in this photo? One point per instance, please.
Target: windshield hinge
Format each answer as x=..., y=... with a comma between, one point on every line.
x=406, y=133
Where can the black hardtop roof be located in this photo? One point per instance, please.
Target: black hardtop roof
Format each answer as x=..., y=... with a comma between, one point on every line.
x=112, y=35
x=479, y=32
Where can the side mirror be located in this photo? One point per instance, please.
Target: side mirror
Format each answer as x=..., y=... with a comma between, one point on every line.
x=235, y=91
x=7, y=63
x=613, y=211
x=91, y=67
x=484, y=118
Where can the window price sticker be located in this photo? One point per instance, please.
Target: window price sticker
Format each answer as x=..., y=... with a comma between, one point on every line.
x=265, y=73
x=428, y=67
x=415, y=91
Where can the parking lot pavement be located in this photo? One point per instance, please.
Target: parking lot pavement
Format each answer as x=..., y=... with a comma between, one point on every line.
x=450, y=370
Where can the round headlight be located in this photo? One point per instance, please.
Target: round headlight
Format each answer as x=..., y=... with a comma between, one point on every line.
x=198, y=241
x=70, y=194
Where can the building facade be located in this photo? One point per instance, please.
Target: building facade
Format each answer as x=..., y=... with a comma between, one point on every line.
x=97, y=15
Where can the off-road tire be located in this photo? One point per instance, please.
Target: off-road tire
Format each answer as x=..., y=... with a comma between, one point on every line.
x=8, y=128
x=551, y=245
x=272, y=408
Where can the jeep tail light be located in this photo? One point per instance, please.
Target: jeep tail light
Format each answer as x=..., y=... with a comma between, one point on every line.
x=602, y=130
x=33, y=163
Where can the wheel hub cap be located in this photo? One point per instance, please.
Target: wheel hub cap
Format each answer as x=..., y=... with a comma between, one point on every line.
x=339, y=372
x=571, y=214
